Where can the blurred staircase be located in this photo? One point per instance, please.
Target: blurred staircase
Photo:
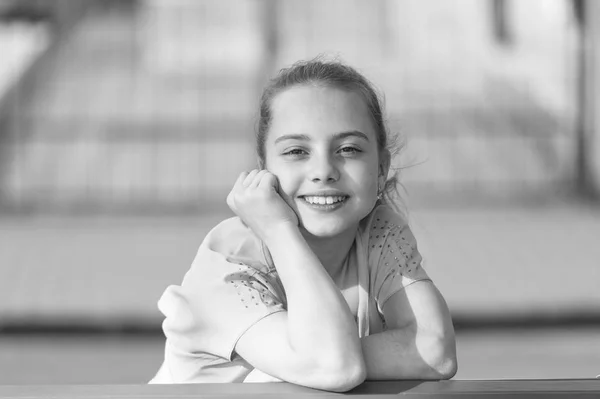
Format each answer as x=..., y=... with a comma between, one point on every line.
x=115, y=123
x=138, y=113
x=104, y=131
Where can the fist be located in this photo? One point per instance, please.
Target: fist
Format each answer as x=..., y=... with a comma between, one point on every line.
x=255, y=199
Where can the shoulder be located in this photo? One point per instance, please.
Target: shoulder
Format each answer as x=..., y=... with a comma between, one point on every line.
x=228, y=235
x=393, y=258
x=388, y=237
x=381, y=221
x=236, y=242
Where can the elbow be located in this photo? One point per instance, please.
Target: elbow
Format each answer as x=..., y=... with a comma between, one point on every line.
x=339, y=373
x=336, y=369
x=447, y=367
x=343, y=377
x=444, y=362
x=350, y=377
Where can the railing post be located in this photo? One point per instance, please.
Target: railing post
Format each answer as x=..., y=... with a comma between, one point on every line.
x=269, y=22
x=588, y=129
x=500, y=23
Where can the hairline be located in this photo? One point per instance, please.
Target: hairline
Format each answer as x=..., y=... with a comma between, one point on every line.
x=362, y=89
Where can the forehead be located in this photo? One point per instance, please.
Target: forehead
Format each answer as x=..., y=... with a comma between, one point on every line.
x=319, y=111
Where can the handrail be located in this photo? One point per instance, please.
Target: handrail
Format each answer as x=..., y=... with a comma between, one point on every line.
x=497, y=389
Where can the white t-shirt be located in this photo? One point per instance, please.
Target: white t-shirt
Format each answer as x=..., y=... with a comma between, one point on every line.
x=232, y=284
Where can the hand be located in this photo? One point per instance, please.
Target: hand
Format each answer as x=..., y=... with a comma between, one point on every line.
x=254, y=198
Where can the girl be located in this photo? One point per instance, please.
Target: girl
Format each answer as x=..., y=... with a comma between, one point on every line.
x=318, y=280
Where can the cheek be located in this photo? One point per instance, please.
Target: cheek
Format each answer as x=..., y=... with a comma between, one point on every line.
x=372, y=185
x=288, y=189
x=367, y=178
x=287, y=180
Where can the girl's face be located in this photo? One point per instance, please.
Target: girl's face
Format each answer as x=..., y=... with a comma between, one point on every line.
x=322, y=146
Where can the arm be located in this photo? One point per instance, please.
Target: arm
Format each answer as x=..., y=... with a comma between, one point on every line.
x=315, y=342
x=419, y=342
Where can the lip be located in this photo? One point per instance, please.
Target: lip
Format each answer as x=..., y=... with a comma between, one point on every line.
x=325, y=207
x=325, y=193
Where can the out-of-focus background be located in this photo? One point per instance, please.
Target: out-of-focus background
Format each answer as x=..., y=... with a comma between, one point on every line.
x=124, y=123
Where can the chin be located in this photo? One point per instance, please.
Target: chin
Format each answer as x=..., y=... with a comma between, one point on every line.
x=329, y=224
x=322, y=232
x=324, y=228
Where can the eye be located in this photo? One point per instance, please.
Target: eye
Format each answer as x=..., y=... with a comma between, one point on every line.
x=294, y=152
x=349, y=150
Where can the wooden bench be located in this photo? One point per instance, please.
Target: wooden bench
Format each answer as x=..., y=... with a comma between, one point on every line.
x=497, y=389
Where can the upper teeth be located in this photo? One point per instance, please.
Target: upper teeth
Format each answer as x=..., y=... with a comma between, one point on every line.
x=323, y=200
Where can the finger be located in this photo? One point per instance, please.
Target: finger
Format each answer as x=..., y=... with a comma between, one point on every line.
x=250, y=177
x=241, y=178
x=230, y=202
x=269, y=181
x=238, y=183
x=258, y=178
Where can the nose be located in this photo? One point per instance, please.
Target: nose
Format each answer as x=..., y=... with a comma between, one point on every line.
x=324, y=169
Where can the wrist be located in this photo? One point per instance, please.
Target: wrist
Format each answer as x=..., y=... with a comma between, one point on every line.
x=283, y=231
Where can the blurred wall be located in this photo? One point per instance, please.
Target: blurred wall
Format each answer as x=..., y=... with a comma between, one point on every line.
x=142, y=99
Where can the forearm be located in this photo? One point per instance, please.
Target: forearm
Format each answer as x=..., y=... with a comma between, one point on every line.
x=319, y=320
x=408, y=354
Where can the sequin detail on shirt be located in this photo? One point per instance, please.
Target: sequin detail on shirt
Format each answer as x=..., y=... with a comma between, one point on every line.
x=254, y=286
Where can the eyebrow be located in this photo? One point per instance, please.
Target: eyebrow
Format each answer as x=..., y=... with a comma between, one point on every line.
x=337, y=136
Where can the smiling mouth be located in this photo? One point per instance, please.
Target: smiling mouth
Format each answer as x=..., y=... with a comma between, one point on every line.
x=324, y=200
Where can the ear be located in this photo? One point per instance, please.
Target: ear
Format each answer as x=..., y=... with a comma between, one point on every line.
x=385, y=159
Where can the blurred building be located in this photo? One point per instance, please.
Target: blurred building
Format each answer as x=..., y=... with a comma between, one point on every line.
x=150, y=105
x=126, y=107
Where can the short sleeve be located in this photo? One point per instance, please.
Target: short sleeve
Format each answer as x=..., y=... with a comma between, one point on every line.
x=227, y=290
x=394, y=258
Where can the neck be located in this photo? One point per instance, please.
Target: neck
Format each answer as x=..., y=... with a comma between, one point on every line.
x=331, y=251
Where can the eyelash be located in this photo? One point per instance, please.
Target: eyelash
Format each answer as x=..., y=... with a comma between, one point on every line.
x=294, y=152
x=353, y=150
